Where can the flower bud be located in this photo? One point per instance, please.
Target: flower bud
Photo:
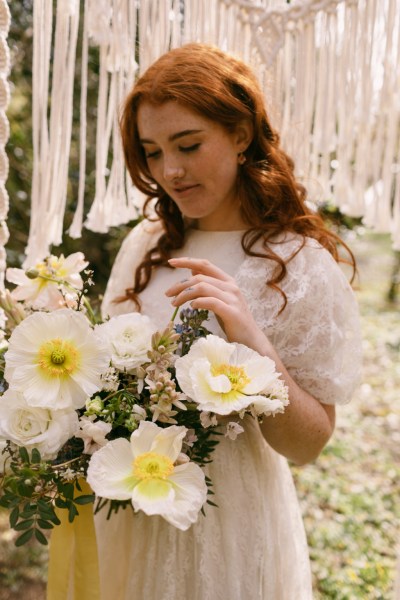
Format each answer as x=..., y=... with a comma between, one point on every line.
x=32, y=273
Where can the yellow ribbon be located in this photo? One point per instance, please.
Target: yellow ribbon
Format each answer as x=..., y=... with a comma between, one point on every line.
x=73, y=572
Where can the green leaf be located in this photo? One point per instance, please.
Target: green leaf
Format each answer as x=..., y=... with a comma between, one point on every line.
x=6, y=501
x=14, y=517
x=27, y=513
x=68, y=490
x=35, y=456
x=72, y=512
x=45, y=524
x=45, y=506
x=212, y=503
x=54, y=519
x=25, y=537
x=23, y=452
x=41, y=537
x=24, y=524
x=60, y=503
x=24, y=490
x=85, y=499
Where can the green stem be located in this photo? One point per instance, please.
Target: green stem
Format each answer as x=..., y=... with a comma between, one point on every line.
x=86, y=302
x=174, y=314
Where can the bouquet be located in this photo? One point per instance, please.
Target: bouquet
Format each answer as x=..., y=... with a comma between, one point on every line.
x=134, y=411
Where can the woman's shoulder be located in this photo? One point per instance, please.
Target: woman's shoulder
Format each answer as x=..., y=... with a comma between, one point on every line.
x=135, y=245
x=312, y=274
x=301, y=254
x=145, y=232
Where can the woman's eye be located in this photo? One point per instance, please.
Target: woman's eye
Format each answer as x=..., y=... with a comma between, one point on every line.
x=154, y=154
x=189, y=148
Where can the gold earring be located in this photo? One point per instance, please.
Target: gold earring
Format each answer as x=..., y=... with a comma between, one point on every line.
x=241, y=158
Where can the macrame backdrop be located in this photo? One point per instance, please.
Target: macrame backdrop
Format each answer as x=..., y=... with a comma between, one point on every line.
x=330, y=70
x=4, y=133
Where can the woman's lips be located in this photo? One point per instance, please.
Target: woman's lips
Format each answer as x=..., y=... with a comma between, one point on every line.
x=184, y=190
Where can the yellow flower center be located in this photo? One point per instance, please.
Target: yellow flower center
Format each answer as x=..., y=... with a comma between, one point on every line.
x=58, y=358
x=53, y=267
x=152, y=466
x=236, y=375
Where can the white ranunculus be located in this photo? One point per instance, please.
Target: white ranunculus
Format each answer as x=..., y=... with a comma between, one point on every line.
x=130, y=339
x=56, y=359
x=93, y=433
x=39, y=292
x=144, y=471
x=33, y=427
x=223, y=377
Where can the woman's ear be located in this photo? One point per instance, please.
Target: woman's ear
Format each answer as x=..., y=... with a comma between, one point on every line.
x=243, y=135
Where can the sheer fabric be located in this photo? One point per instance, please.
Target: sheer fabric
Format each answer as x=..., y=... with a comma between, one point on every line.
x=253, y=546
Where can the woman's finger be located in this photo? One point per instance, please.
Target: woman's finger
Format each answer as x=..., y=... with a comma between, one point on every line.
x=202, y=289
x=199, y=265
x=183, y=285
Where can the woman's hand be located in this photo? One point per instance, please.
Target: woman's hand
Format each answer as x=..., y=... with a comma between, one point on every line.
x=212, y=289
x=303, y=429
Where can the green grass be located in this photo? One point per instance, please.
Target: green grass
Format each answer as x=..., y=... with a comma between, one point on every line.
x=350, y=496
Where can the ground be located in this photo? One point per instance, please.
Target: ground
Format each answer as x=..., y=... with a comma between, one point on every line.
x=350, y=495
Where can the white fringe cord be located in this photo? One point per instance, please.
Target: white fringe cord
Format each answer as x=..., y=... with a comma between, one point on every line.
x=331, y=74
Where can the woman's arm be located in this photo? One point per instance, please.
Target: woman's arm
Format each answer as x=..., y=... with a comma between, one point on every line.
x=301, y=432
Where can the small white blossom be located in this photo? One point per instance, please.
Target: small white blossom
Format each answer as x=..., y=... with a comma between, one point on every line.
x=139, y=412
x=110, y=380
x=208, y=420
x=69, y=474
x=93, y=433
x=190, y=437
x=233, y=429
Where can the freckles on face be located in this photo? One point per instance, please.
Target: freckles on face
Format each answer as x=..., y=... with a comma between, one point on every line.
x=192, y=158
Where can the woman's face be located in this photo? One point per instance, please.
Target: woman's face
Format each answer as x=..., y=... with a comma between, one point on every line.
x=195, y=161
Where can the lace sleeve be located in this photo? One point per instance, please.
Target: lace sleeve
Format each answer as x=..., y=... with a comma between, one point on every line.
x=132, y=250
x=318, y=334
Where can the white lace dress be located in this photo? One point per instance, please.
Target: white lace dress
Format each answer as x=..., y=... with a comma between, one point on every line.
x=253, y=546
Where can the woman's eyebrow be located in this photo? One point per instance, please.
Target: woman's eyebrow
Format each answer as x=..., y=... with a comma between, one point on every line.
x=174, y=136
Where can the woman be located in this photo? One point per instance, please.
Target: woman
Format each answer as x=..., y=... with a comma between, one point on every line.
x=232, y=234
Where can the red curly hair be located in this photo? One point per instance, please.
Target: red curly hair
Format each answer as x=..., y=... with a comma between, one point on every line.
x=225, y=90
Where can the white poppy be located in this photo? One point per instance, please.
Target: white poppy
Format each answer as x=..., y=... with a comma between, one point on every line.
x=41, y=292
x=33, y=427
x=56, y=359
x=223, y=377
x=130, y=338
x=144, y=471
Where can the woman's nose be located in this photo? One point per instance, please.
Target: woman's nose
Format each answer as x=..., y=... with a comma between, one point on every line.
x=173, y=170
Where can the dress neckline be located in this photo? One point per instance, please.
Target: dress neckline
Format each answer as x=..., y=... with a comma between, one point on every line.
x=215, y=232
